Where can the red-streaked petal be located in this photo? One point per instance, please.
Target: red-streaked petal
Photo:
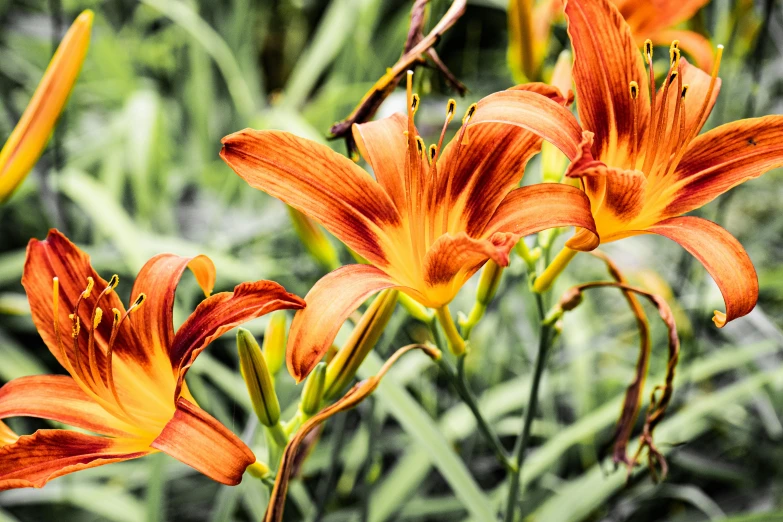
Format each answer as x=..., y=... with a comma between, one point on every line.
x=194, y=437
x=59, y=398
x=329, y=303
x=722, y=256
x=33, y=460
x=453, y=259
x=534, y=208
x=698, y=83
x=221, y=312
x=489, y=163
x=533, y=112
x=382, y=143
x=58, y=257
x=694, y=44
x=7, y=435
x=723, y=158
x=317, y=181
x=158, y=279
x=606, y=61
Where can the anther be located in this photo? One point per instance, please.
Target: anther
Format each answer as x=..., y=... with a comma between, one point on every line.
x=433, y=150
x=117, y=317
x=414, y=103
x=76, y=327
x=684, y=90
x=673, y=76
x=113, y=282
x=451, y=108
x=140, y=299
x=420, y=145
x=88, y=290
x=469, y=114
x=674, y=55
x=648, y=51
x=634, y=87
x=98, y=317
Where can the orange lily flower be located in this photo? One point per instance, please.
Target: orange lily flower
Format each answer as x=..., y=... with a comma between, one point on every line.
x=652, y=167
x=427, y=222
x=126, y=373
x=655, y=19
x=31, y=134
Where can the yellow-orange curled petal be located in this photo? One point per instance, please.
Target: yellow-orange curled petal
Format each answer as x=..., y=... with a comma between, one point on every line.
x=722, y=256
x=329, y=302
x=59, y=398
x=35, y=459
x=196, y=438
x=220, y=313
x=534, y=208
x=158, y=279
x=318, y=182
x=29, y=137
x=7, y=435
x=723, y=158
x=606, y=61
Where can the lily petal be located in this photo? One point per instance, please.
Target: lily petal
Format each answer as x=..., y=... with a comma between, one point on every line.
x=31, y=134
x=158, y=280
x=59, y=398
x=534, y=208
x=220, y=313
x=318, y=182
x=7, y=435
x=606, y=61
x=534, y=112
x=58, y=257
x=33, y=460
x=722, y=256
x=382, y=143
x=329, y=303
x=194, y=437
x=725, y=157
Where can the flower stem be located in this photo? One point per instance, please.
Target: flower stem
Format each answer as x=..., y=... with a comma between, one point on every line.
x=278, y=435
x=559, y=263
x=544, y=344
x=454, y=340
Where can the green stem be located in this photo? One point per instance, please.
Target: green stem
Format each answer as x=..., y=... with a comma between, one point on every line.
x=278, y=435
x=523, y=440
x=460, y=384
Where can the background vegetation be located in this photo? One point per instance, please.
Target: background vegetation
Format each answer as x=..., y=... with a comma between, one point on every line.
x=134, y=171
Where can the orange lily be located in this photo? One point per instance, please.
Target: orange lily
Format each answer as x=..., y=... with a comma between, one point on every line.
x=127, y=374
x=31, y=134
x=655, y=20
x=427, y=222
x=652, y=166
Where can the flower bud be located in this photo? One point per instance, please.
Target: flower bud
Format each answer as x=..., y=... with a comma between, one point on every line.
x=487, y=287
x=257, y=378
x=342, y=369
x=313, y=392
x=274, y=342
x=314, y=240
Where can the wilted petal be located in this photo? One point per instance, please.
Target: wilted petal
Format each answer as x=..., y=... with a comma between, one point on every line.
x=194, y=437
x=722, y=256
x=33, y=460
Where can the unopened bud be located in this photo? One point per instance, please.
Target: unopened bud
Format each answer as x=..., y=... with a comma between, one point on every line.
x=314, y=239
x=342, y=368
x=313, y=392
x=274, y=342
x=487, y=287
x=257, y=378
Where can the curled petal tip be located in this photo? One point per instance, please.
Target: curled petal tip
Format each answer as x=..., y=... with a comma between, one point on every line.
x=719, y=319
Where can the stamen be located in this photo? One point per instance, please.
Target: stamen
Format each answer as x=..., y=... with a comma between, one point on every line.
x=653, y=145
x=634, y=87
x=97, y=319
x=469, y=114
x=115, y=328
x=91, y=351
x=113, y=282
x=415, y=103
x=432, y=152
x=684, y=90
x=451, y=107
x=88, y=290
x=648, y=51
x=420, y=145
x=674, y=52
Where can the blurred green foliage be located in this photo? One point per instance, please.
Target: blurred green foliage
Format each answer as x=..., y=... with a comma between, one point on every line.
x=134, y=171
